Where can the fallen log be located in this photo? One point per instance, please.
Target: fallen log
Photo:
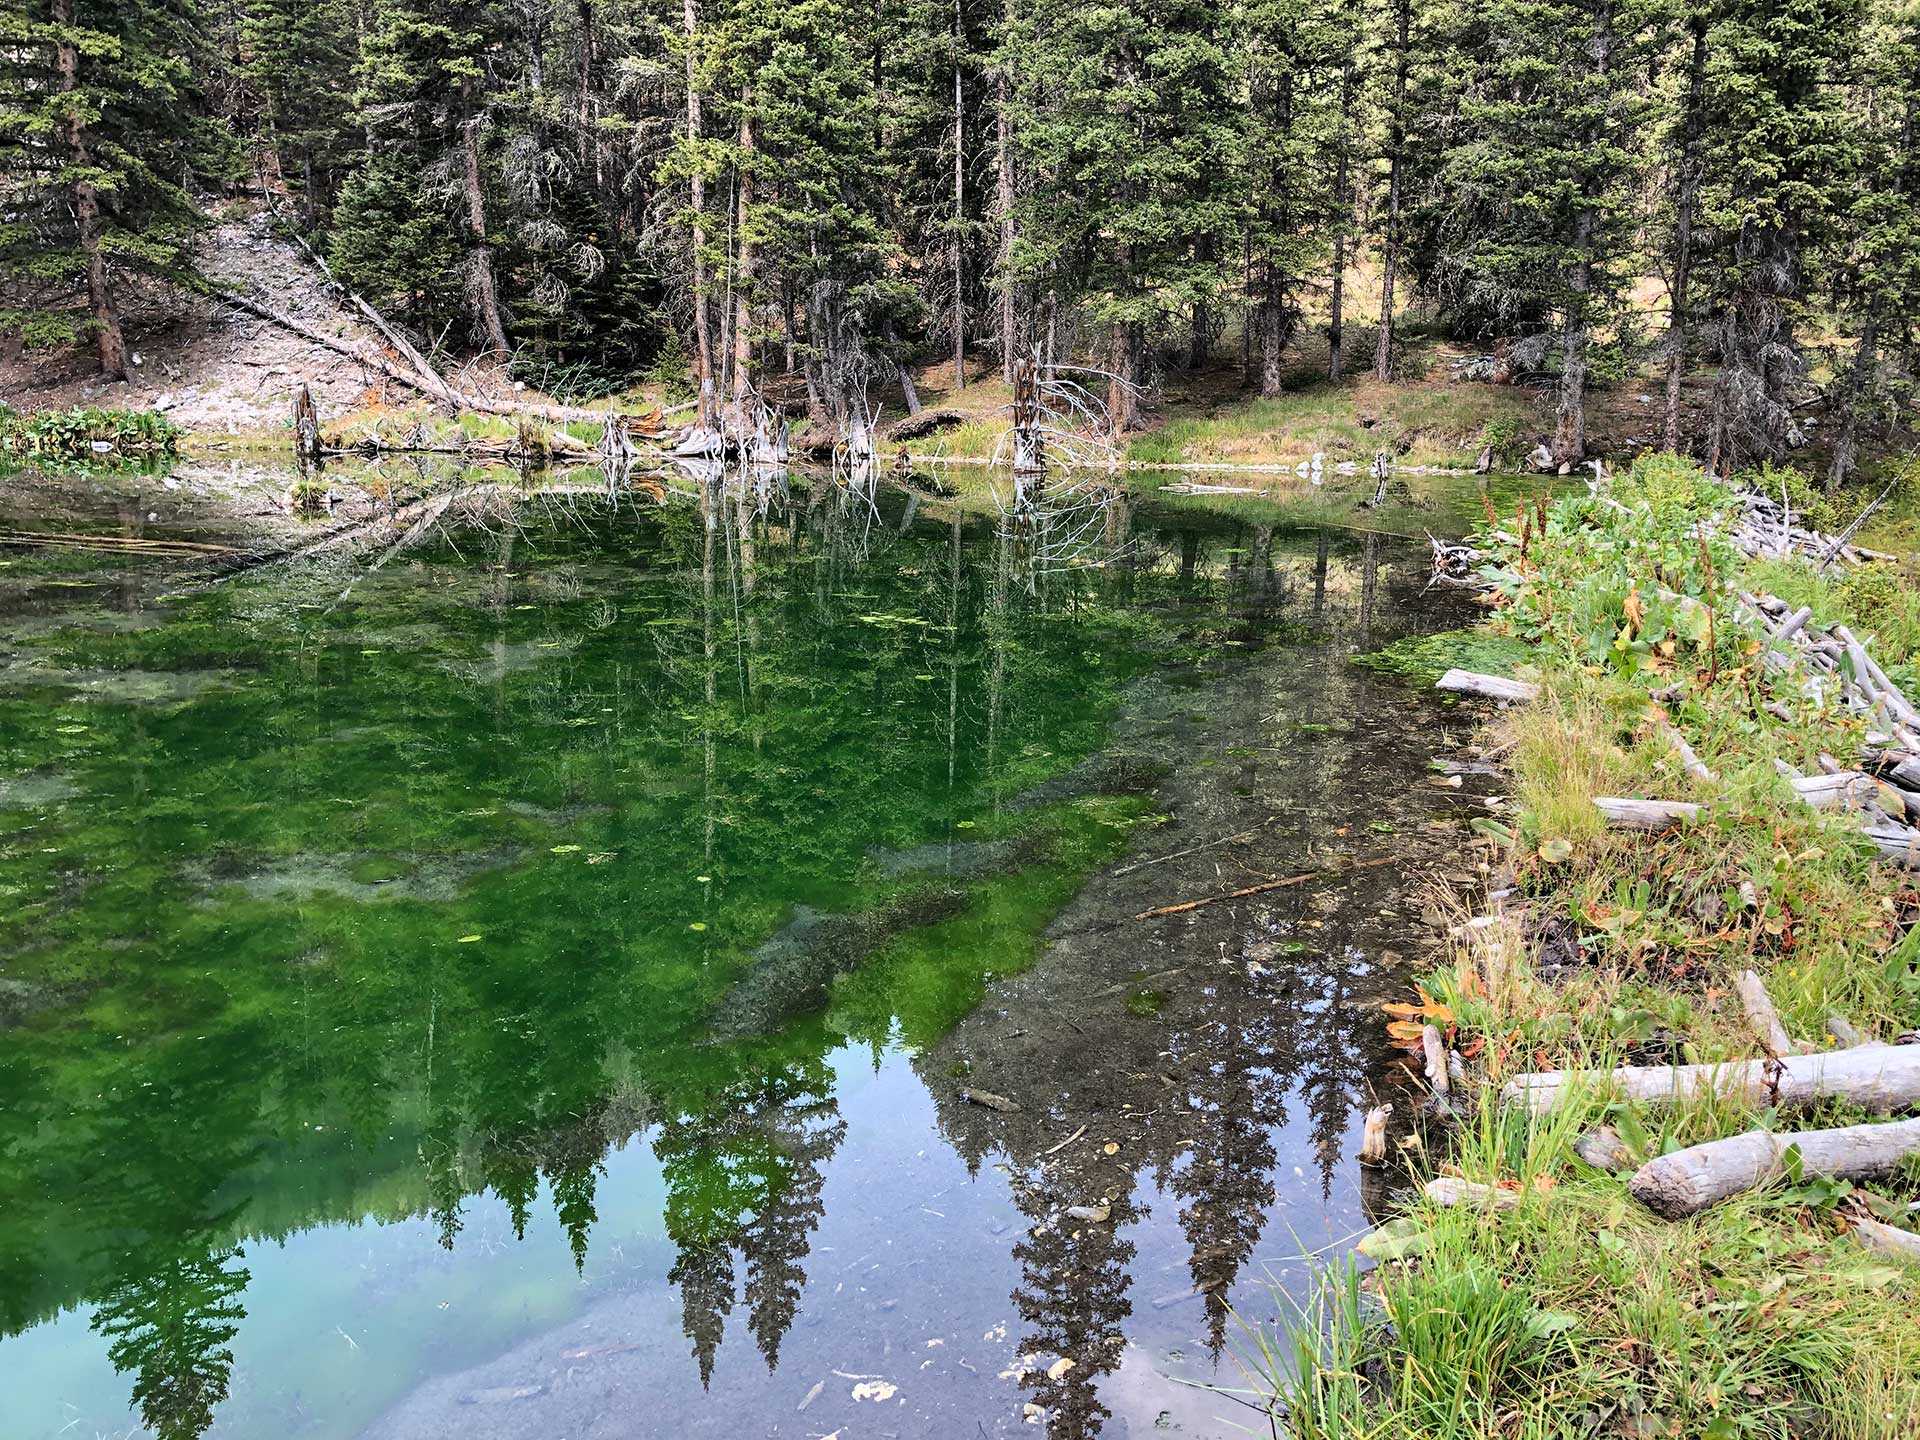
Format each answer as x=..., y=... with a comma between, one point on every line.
x=1625, y=814
x=1878, y=1078
x=1450, y=1190
x=1702, y=1176
x=1604, y=1150
x=1884, y=1239
x=1493, y=687
x=1761, y=1015
x=430, y=383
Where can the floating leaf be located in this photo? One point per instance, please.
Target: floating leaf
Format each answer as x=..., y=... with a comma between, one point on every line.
x=72, y=730
x=466, y=939
x=565, y=849
x=698, y=925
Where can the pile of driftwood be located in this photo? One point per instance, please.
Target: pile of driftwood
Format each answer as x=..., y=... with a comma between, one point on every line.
x=1766, y=527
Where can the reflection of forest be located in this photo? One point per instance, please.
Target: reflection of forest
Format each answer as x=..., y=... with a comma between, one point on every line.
x=808, y=686
x=1187, y=1042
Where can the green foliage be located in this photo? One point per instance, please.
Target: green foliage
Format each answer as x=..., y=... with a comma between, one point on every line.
x=94, y=166
x=88, y=434
x=1625, y=579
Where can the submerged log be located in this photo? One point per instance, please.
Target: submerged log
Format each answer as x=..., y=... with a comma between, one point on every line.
x=1493, y=687
x=1701, y=1176
x=1874, y=1077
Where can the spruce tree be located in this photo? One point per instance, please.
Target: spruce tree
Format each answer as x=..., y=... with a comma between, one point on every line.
x=1780, y=159
x=1129, y=120
x=1542, y=168
x=1875, y=269
x=295, y=59
x=100, y=128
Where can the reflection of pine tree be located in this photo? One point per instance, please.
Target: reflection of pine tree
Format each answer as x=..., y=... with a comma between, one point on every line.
x=573, y=1186
x=1225, y=1181
x=1073, y=1294
x=169, y=1325
x=777, y=1239
x=745, y=1173
x=705, y=1276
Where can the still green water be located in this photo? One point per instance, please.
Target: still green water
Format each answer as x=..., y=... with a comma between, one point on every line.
x=529, y=953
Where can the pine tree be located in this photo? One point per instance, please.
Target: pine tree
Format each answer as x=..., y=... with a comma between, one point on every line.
x=1129, y=122
x=424, y=101
x=100, y=127
x=1780, y=159
x=294, y=53
x=1542, y=167
x=1876, y=267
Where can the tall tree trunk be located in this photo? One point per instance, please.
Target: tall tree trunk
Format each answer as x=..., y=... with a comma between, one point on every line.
x=743, y=271
x=697, y=186
x=109, y=343
x=959, y=211
x=1686, y=198
x=1273, y=338
x=482, y=254
x=1343, y=209
x=1003, y=202
x=1120, y=404
x=1396, y=146
x=1859, y=379
x=1570, y=421
x=588, y=116
x=1200, y=336
x=1570, y=430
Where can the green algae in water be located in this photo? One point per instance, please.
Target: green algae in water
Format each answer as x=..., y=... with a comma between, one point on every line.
x=393, y=938
x=1426, y=658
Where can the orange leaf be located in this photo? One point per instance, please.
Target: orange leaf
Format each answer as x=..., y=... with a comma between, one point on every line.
x=1404, y=1030
x=1403, y=1010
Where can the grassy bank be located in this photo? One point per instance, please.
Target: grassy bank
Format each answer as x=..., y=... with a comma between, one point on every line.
x=1578, y=1311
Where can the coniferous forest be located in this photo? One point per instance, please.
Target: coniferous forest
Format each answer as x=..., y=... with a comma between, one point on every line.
x=830, y=190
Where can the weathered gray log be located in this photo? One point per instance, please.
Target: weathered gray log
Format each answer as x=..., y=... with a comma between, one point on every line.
x=1847, y=790
x=1761, y=1016
x=1701, y=1176
x=1645, y=814
x=1450, y=1190
x=1604, y=1150
x=1493, y=687
x=1884, y=1239
x=1689, y=761
x=1881, y=1078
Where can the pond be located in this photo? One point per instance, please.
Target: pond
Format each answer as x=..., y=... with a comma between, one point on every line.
x=568, y=977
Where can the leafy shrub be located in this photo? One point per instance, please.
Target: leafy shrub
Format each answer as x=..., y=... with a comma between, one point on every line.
x=76, y=434
x=1625, y=580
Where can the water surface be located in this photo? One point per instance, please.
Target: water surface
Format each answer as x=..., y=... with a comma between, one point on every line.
x=526, y=987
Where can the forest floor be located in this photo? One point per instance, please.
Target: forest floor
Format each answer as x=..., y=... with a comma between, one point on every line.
x=224, y=375
x=1572, y=1308
x=217, y=372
